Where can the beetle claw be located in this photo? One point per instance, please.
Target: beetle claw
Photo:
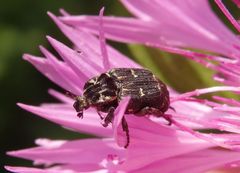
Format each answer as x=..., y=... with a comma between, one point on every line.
x=108, y=119
x=80, y=115
x=100, y=115
x=104, y=124
x=168, y=117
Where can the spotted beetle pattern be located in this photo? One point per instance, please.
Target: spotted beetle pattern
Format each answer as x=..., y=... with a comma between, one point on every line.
x=148, y=95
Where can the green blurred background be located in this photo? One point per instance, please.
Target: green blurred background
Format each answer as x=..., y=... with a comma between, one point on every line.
x=23, y=26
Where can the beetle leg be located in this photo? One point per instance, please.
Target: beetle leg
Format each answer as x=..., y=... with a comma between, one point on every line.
x=126, y=130
x=144, y=111
x=80, y=114
x=108, y=119
x=156, y=112
x=168, y=117
x=100, y=115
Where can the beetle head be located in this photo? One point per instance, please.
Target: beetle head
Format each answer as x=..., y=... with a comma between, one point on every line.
x=80, y=104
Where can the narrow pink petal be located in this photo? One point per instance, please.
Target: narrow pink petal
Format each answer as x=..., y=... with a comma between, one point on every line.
x=109, y=21
x=198, y=92
x=65, y=115
x=228, y=74
x=230, y=124
x=93, y=168
x=228, y=14
x=90, y=45
x=196, y=56
x=73, y=79
x=138, y=9
x=84, y=43
x=228, y=108
x=117, y=122
x=228, y=71
x=102, y=40
x=74, y=60
x=19, y=169
x=60, y=96
x=192, y=108
x=58, y=169
x=46, y=68
x=227, y=100
x=63, y=12
x=123, y=29
x=71, y=152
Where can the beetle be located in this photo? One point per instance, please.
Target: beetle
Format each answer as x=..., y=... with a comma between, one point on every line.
x=148, y=95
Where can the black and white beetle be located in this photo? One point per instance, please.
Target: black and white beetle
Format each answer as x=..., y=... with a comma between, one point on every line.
x=148, y=95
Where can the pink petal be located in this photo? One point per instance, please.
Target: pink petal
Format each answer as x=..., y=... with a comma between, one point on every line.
x=198, y=92
x=46, y=68
x=196, y=162
x=102, y=40
x=227, y=100
x=65, y=115
x=60, y=96
x=160, y=142
x=56, y=169
x=228, y=14
x=71, y=152
x=184, y=15
x=19, y=169
x=75, y=60
x=237, y=2
x=117, y=128
x=73, y=79
x=121, y=29
x=177, y=22
x=91, y=49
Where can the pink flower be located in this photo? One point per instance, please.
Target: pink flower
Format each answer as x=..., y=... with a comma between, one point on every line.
x=154, y=145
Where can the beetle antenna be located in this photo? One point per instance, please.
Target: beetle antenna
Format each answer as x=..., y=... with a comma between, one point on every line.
x=70, y=95
x=170, y=107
